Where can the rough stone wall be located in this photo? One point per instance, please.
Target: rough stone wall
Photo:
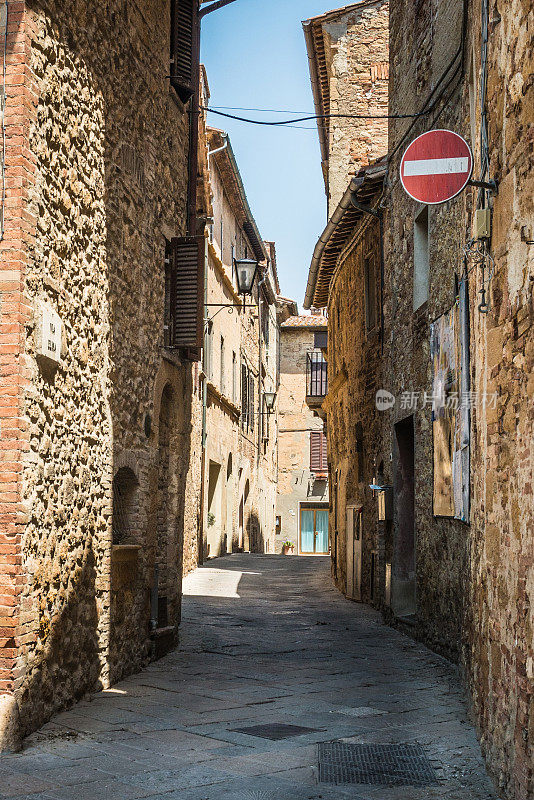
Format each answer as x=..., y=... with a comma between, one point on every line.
x=441, y=545
x=354, y=424
x=102, y=187
x=357, y=60
x=296, y=420
x=474, y=582
x=498, y=646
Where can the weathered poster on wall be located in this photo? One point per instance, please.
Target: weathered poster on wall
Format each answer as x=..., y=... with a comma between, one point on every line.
x=449, y=347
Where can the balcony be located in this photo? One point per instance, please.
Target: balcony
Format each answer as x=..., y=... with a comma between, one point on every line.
x=316, y=379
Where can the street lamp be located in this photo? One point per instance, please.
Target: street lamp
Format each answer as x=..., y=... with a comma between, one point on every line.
x=270, y=398
x=246, y=269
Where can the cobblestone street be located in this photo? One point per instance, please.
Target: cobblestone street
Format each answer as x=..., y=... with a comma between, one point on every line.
x=265, y=641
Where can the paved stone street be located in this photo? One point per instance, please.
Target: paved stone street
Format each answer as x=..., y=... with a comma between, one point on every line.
x=265, y=640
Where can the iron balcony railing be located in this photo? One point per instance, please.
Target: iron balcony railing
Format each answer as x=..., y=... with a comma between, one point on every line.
x=316, y=374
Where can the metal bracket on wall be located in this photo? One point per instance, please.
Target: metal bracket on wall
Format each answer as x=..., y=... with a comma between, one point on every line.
x=491, y=186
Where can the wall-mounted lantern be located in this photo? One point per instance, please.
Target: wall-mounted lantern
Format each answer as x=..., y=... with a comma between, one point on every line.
x=270, y=399
x=246, y=269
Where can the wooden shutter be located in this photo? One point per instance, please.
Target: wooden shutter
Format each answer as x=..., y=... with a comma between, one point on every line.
x=244, y=396
x=251, y=398
x=318, y=460
x=184, y=24
x=188, y=292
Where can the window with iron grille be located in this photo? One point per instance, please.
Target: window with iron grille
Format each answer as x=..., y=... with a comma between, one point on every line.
x=318, y=459
x=183, y=47
x=316, y=374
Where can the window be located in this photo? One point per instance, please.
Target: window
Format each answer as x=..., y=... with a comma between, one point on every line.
x=244, y=396
x=222, y=376
x=421, y=259
x=371, y=293
x=359, y=450
x=208, y=365
x=251, y=400
x=320, y=340
x=183, y=47
x=264, y=310
x=124, y=519
x=234, y=377
x=318, y=460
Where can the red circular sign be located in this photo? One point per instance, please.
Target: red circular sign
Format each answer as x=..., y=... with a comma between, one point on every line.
x=436, y=167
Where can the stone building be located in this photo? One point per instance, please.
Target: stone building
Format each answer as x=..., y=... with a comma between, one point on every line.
x=302, y=503
x=456, y=557
x=100, y=451
x=241, y=340
x=346, y=274
x=349, y=68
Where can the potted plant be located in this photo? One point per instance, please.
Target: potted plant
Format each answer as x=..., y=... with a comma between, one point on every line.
x=288, y=548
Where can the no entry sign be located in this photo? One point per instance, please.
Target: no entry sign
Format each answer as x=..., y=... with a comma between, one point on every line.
x=436, y=167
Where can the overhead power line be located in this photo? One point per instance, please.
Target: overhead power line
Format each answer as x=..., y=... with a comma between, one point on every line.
x=273, y=123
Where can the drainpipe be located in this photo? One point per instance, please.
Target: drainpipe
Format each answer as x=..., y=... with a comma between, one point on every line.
x=204, y=419
x=218, y=149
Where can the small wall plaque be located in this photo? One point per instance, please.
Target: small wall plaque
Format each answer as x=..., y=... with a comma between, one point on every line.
x=49, y=336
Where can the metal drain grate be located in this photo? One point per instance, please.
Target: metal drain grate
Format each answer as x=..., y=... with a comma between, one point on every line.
x=275, y=731
x=379, y=764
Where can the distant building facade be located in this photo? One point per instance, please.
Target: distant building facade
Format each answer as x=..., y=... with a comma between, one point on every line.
x=303, y=498
x=239, y=366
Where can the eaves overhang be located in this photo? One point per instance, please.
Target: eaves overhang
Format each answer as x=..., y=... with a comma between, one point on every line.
x=366, y=189
x=233, y=184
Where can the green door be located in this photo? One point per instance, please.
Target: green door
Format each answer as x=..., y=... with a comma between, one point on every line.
x=313, y=530
x=307, y=530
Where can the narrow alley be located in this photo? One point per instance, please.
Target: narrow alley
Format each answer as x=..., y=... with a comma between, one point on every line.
x=267, y=642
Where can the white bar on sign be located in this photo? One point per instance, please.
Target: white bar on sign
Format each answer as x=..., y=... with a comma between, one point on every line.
x=436, y=166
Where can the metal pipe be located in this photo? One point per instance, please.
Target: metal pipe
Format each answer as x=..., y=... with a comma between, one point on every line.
x=219, y=149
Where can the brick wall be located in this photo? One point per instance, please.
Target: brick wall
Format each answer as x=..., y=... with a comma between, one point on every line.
x=15, y=312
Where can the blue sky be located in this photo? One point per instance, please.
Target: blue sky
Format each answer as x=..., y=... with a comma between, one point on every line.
x=255, y=55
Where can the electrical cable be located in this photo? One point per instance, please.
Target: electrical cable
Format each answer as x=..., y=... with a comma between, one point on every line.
x=313, y=116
